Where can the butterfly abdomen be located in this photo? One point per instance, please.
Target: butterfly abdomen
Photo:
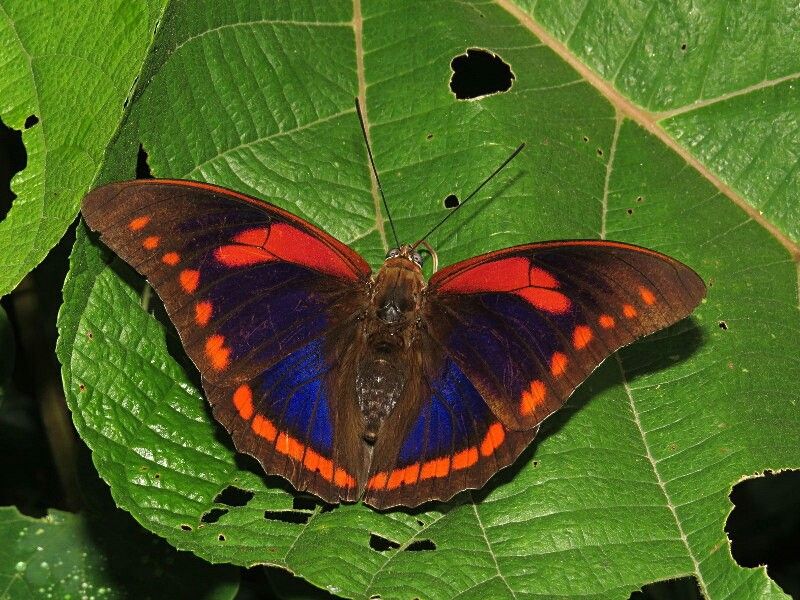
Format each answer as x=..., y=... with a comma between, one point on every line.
x=387, y=335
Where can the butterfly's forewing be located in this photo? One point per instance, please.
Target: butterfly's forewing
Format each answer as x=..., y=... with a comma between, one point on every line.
x=255, y=294
x=508, y=337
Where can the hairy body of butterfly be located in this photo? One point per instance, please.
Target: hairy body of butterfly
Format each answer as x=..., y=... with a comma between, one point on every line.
x=383, y=388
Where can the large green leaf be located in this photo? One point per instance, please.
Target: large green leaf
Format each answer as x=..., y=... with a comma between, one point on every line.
x=720, y=77
x=66, y=69
x=71, y=556
x=627, y=485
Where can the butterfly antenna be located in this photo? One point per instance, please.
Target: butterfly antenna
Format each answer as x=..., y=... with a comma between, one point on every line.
x=477, y=189
x=375, y=172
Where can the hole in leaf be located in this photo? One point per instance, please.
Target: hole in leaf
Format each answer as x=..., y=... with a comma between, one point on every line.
x=723, y=325
x=685, y=588
x=479, y=73
x=82, y=387
x=13, y=159
x=233, y=496
x=31, y=121
x=586, y=139
x=142, y=166
x=381, y=544
x=764, y=526
x=213, y=515
x=599, y=152
x=451, y=201
x=683, y=46
x=420, y=546
x=287, y=516
x=221, y=537
x=639, y=199
x=303, y=503
x=186, y=527
x=157, y=475
x=629, y=211
x=429, y=136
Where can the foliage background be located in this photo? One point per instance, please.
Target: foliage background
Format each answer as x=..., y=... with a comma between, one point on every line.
x=657, y=123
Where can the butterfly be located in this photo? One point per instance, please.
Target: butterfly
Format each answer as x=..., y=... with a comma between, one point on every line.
x=381, y=387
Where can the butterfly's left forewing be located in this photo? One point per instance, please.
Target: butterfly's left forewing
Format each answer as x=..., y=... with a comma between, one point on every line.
x=258, y=297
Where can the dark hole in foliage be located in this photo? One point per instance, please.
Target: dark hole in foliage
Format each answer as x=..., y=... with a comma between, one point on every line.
x=31, y=121
x=381, y=544
x=233, y=496
x=764, y=526
x=586, y=139
x=420, y=523
x=82, y=387
x=599, y=152
x=535, y=463
x=723, y=325
x=479, y=73
x=629, y=211
x=451, y=201
x=13, y=159
x=303, y=503
x=429, y=136
x=685, y=588
x=221, y=537
x=213, y=515
x=157, y=475
x=142, y=166
x=90, y=335
x=683, y=46
x=287, y=516
x=420, y=546
x=186, y=527
x=639, y=199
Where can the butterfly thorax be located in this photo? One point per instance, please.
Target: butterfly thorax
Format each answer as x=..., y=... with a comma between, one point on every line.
x=388, y=332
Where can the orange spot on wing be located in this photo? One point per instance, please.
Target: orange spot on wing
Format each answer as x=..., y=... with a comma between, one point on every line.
x=342, y=479
x=264, y=428
x=395, y=479
x=138, y=223
x=581, y=336
x=202, y=312
x=286, y=444
x=377, y=481
x=629, y=311
x=533, y=397
x=325, y=468
x=548, y=300
x=493, y=438
x=171, y=258
x=252, y=237
x=411, y=474
x=241, y=256
x=243, y=401
x=465, y=458
x=558, y=363
x=541, y=278
x=151, y=242
x=438, y=467
x=648, y=296
x=606, y=321
x=189, y=278
x=217, y=353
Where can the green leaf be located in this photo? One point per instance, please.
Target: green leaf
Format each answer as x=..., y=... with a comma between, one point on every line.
x=628, y=484
x=721, y=78
x=63, y=555
x=70, y=65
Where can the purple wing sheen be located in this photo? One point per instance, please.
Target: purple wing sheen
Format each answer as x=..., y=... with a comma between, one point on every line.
x=453, y=443
x=528, y=324
x=254, y=292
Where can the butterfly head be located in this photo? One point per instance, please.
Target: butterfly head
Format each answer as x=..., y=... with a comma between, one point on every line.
x=407, y=252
